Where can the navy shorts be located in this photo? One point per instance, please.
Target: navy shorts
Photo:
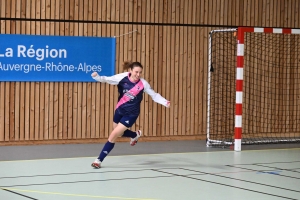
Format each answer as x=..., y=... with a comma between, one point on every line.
x=127, y=121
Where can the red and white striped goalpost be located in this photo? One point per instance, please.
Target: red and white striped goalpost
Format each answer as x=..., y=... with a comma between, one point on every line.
x=239, y=75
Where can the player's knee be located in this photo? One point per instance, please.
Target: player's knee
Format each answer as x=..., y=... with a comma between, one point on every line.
x=114, y=135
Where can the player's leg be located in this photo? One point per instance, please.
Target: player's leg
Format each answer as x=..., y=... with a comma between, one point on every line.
x=124, y=122
x=114, y=125
x=134, y=135
x=129, y=133
x=128, y=121
x=109, y=145
x=134, y=140
x=117, y=132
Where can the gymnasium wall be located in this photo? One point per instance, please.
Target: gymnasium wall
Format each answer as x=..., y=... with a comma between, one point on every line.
x=169, y=37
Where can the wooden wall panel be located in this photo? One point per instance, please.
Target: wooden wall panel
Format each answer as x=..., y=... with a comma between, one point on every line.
x=169, y=37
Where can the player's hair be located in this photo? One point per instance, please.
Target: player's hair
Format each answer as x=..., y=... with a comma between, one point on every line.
x=130, y=65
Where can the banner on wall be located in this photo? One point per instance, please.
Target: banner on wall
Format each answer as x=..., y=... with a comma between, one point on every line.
x=55, y=58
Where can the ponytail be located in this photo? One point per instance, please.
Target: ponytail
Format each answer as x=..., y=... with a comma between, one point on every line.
x=130, y=65
x=126, y=65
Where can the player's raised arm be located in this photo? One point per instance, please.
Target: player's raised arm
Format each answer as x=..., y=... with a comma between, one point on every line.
x=154, y=95
x=113, y=80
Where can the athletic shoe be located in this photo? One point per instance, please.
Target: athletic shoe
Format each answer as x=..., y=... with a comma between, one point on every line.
x=133, y=141
x=96, y=164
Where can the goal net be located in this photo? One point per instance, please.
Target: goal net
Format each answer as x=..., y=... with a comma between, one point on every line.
x=253, y=87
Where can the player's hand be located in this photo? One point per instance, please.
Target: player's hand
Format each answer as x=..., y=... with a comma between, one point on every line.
x=168, y=104
x=94, y=74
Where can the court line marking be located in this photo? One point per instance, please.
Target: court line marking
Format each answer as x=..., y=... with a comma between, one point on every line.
x=128, y=178
x=226, y=151
x=74, y=195
x=122, y=179
x=233, y=166
x=242, y=180
x=85, y=181
x=83, y=173
x=228, y=185
x=102, y=172
x=271, y=163
x=278, y=168
x=22, y=195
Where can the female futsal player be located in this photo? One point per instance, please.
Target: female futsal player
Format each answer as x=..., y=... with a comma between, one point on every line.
x=130, y=87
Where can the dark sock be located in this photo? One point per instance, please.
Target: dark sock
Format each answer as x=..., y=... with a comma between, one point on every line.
x=129, y=133
x=106, y=149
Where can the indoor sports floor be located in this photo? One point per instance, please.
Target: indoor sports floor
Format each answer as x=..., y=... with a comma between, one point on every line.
x=183, y=170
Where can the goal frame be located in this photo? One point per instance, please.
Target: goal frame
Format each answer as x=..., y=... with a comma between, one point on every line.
x=239, y=77
x=239, y=74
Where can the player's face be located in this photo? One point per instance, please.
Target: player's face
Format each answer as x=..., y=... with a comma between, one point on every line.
x=136, y=73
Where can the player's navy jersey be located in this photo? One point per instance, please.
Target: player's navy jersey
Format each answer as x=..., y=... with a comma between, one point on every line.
x=130, y=93
x=130, y=97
